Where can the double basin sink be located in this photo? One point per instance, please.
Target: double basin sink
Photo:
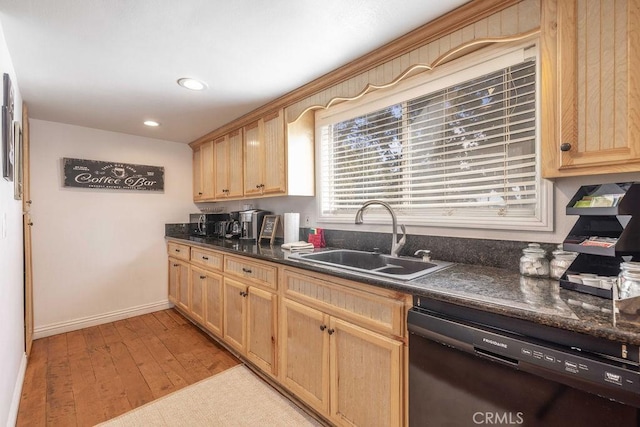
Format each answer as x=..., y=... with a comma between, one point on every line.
x=400, y=268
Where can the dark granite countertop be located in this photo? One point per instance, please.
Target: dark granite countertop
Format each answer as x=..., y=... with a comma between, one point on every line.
x=489, y=289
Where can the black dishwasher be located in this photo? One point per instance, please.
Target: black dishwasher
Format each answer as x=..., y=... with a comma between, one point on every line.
x=468, y=367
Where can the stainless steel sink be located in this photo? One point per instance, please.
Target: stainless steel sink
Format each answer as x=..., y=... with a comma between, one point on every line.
x=373, y=263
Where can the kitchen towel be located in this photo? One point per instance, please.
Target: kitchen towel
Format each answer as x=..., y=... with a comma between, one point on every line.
x=291, y=227
x=297, y=246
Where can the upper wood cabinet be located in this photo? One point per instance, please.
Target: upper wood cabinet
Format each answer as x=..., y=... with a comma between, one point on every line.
x=591, y=87
x=265, y=160
x=228, y=166
x=252, y=162
x=203, y=172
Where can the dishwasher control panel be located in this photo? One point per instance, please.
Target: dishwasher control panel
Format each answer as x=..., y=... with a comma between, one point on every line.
x=517, y=351
x=609, y=373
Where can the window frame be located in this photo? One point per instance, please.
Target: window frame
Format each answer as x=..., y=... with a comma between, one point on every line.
x=468, y=67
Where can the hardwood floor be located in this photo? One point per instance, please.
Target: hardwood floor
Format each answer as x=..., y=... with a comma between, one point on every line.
x=84, y=377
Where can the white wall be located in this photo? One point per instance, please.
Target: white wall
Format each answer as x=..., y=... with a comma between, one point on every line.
x=99, y=255
x=12, y=356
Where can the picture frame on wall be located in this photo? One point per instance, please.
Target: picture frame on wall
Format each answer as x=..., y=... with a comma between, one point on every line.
x=18, y=172
x=8, y=144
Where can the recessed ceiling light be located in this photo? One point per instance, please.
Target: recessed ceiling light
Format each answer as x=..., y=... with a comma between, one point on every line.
x=192, y=84
x=151, y=123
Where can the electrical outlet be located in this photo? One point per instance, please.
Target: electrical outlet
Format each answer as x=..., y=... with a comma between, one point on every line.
x=306, y=220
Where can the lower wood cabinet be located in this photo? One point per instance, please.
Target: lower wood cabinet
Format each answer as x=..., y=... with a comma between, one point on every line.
x=305, y=354
x=250, y=323
x=340, y=369
x=179, y=283
x=337, y=345
x=213, y=307
x=235, y=309
x=364, y=367
x=204, y=304
x=262, y=329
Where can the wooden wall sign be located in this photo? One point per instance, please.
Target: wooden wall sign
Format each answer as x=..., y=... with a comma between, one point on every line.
x=111, y=175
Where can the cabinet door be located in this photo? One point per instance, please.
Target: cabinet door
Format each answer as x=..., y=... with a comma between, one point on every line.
x=365, y=376
x=235, y=308
x=203, y=172
x=197, y=294
x=596, y=128
x=274, y=175
x=174, y=280
x=181, y=280
x=235, y=182
x=207, y=170
x=262, y=308
x=253, y=160
x=305, y=354
x=197, y=174
x=213, y=309
x=221, y=169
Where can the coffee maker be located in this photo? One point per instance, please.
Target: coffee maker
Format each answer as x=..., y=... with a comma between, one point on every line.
x=251, y=223
x=205, y=224
x=230, y=228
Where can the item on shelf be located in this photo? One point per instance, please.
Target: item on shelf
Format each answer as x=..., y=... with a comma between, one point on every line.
x=607, y=230
x=629, y=280
x=561, y=261
x=603, y=242
x=533, y=262
x=604, y=201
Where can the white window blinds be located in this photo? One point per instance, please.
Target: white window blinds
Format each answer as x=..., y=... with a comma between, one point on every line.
x=462, y=149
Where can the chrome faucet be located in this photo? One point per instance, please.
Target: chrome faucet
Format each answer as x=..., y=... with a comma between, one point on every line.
x=395, y=245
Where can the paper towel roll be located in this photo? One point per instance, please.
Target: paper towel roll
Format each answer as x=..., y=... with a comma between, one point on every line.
x=291, y=227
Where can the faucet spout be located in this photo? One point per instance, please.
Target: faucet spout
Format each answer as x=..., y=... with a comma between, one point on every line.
x=396, y=245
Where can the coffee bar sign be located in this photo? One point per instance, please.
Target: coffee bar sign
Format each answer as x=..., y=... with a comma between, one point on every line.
x=111, y=175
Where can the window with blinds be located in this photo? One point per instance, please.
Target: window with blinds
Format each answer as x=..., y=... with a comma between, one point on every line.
x=458, y=149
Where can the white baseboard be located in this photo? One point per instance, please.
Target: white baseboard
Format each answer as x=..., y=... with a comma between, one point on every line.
x=85, y=322
x=17, y=392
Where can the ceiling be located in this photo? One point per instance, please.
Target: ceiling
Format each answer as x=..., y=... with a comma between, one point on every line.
x=111, y=64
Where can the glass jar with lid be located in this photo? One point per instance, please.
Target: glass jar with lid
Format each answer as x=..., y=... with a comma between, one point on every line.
x=561, y=261
x=534, y=262
x=629, y=280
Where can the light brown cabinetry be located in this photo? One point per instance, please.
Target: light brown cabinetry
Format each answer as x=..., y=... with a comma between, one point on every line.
x=250, y=317
x=305, y=354
x=253, y=161
x=179, y=251
x=213, y=308
x=179, y=282
x=265, y=158
x=364, y=367
x=197, y=293
x=235, y=309
x=337, y=345
x=335, y=365
x=262, y=329
x=228, y=169
x=591, y=87
x=203, y=186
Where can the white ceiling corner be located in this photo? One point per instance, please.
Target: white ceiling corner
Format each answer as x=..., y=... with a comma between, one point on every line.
x=111, y=64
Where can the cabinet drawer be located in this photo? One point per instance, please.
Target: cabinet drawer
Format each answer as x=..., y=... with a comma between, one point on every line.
x=207, y=259
x=177, y=250
x=255, y=272
x=375, y=312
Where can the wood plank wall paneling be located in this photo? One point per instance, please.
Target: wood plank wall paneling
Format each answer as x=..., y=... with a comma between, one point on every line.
x=525, y=12
x=516, y=19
